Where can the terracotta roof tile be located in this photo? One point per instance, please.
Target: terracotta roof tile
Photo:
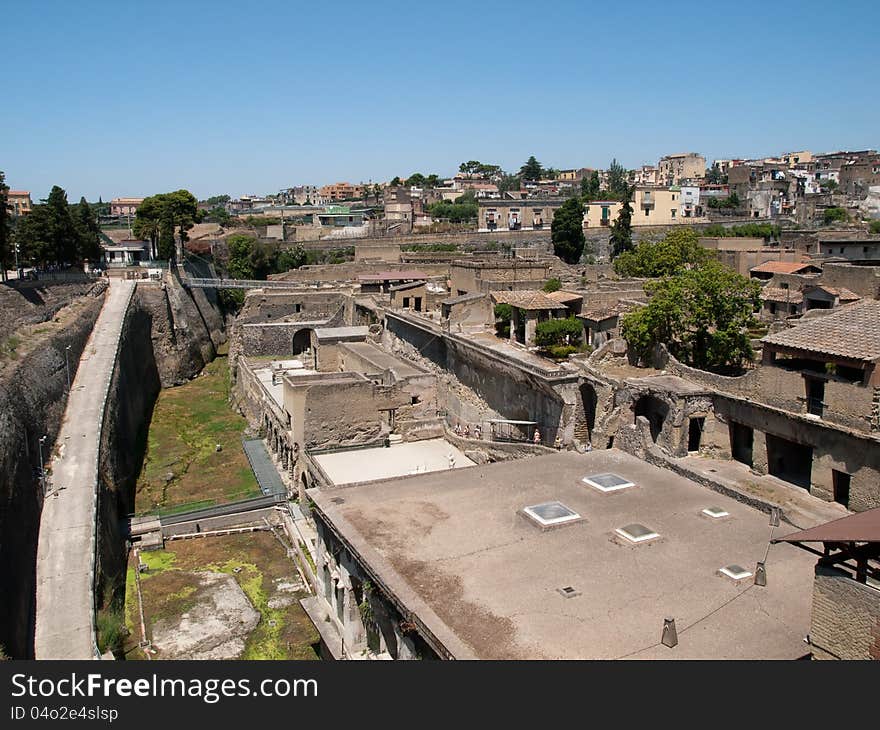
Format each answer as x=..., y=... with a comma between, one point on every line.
x=529, y=299
x=852, y=332
x=782, y=267
x=565, y=296
x=778, y=294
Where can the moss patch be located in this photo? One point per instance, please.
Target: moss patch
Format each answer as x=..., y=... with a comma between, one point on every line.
x=259, y=565
x=183, y=466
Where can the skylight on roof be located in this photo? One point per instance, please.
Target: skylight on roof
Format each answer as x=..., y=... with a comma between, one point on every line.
x=549, y=514
x=716, y=513
x=607, y=482
x=735, y=572
x=636, y=533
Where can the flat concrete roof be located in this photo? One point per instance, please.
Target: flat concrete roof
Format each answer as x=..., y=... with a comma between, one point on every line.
x=364, y=465
x=454, y=549
x=263, y=373
x=384, y=360
x=668, y=384
x=341, y=334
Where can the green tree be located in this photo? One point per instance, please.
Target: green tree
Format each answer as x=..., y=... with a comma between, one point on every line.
x=216, y=200
x=702, y=315
x=33, y=236
x=618, y=187
x=503, y=315
x=65, y=237
x=48, y=235
x=432, y=181
x=241, y=248
x=166, y=236
x=509, y=182
x=395, y=182
x=834, y=215
x=5, y=237
x=86, y=221
x=416, y=180
x=874, y=227
x=159, y=216
x=679, y=250
x=532, y=170
x=218, y=214
x=567, y=231
x=552, y=285
x=714, y=176
x=291, y=258
x=590, y=187
x=621, y=231
x=377, y=193
x=554, y=332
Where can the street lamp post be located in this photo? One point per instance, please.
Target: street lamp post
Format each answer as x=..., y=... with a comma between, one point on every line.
x=42, y=469
x=67, y=365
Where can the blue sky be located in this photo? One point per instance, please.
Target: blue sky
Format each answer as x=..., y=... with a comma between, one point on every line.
x=127, y=98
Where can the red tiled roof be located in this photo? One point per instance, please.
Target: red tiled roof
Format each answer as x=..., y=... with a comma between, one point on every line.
x=851, y=332
x=565, y=296
x=529, y=299
x=778, y=294
x=782, y=267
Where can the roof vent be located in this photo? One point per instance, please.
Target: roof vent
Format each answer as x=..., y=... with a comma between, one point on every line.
x=716, y=513
x=636, y=533
x=550, y=514
x=735, y=572
x=568, y=592
x=337, y=500
x=607, y=482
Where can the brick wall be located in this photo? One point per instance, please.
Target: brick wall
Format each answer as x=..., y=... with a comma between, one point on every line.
x=846, y=617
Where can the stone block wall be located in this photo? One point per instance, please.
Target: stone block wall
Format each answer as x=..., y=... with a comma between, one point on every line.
x=846, y=617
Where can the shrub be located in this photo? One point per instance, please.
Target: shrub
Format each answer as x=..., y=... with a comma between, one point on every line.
x=834, y=215
x=559, y=332
x=874, y=227
x=552, y=285
x=560, y=352
x=503, y=315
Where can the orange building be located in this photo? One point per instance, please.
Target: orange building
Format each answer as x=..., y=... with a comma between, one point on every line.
x=341, y=191
x=19, y=201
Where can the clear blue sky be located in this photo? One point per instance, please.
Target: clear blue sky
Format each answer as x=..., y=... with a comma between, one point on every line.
x=133, y=98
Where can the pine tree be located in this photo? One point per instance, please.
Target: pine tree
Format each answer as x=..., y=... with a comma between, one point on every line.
x=4, y=225
x=621, y=231
x=567, y=231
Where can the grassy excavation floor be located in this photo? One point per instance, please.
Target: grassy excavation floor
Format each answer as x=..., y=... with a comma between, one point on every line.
x=180, y=590
x=182, y=466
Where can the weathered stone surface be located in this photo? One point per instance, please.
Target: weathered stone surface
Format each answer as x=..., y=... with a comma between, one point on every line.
x=216, y=627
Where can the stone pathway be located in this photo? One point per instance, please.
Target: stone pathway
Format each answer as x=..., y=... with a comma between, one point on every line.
x=66, y=550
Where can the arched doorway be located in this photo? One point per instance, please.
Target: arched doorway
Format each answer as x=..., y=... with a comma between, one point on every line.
x=302, y=341
x=655, y=410
x=589, y=401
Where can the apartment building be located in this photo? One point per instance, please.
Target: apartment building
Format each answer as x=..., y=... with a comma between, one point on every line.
x=674, y=169
x=341, y=191
x=19, y=202
x=124, y=206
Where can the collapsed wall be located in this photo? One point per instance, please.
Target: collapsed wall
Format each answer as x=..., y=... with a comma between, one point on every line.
x=187, y=328
x=32, y=400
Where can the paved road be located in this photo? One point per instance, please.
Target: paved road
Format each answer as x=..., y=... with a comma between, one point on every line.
x=66, y=544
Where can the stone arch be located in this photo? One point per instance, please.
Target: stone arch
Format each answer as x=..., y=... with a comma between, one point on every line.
x=655, y=410
x=302, y=341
